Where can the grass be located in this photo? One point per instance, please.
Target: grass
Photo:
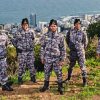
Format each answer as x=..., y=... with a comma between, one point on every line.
x=94, y=75
x=3, y=98
x=71, y=93
x=93, y=62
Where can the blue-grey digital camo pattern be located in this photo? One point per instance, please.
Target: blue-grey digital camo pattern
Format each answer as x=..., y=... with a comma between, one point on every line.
x=52, y=52
x=98, y=47
x=77, y=42
x=3, y=63
x=24, y=43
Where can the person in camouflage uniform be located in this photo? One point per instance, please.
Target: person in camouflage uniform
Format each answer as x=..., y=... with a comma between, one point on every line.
x=6, y=85
x=24, y=42
x=98, y=48
x=77, y=42
x=52, y=54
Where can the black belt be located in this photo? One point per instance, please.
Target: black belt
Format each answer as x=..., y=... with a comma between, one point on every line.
x=20, y=51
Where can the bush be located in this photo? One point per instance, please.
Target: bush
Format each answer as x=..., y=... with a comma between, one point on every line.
x=91, y=49
x=93, y=30
x=91, y=52
x=11, y=60
x=38, y=65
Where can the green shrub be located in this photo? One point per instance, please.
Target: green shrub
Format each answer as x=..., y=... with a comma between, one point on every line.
x=11, y=60
x=39, y=66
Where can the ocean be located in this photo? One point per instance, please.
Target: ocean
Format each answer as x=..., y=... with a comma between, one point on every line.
x=12, y=11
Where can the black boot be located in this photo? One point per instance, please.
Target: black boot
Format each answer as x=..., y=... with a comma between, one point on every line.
x=6, y=87
x=69, y=76
x=33, y=79
x=60, y=86
x=45, y=87
x=84, y=82
x=20, y=81
x=10, y=83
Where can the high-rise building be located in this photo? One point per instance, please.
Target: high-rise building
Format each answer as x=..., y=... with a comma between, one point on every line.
x=33, y=20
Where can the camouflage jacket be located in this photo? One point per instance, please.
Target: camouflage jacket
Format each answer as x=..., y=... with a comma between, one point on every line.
x=76, y=40
x=52, y=47
x=3, y=45
x=24, y=40
x=98, y=47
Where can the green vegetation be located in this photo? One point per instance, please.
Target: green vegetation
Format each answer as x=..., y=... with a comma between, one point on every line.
x=74, y=90
x=93, y=30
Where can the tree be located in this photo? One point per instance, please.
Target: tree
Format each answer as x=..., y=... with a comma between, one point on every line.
x=93, y=30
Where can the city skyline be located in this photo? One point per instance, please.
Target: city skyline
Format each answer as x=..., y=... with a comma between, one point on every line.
x=14, y=10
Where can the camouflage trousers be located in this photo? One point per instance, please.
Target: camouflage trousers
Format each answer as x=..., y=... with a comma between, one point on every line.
x=74, y=56
x=26, y=59
x=48, y=69
x=3, y=73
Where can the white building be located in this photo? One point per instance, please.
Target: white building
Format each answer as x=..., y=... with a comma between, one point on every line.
x=43, y=26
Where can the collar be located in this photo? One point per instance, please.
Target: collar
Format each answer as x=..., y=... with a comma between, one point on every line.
x=53, y=33
x=23, y=31
x=77, y=30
